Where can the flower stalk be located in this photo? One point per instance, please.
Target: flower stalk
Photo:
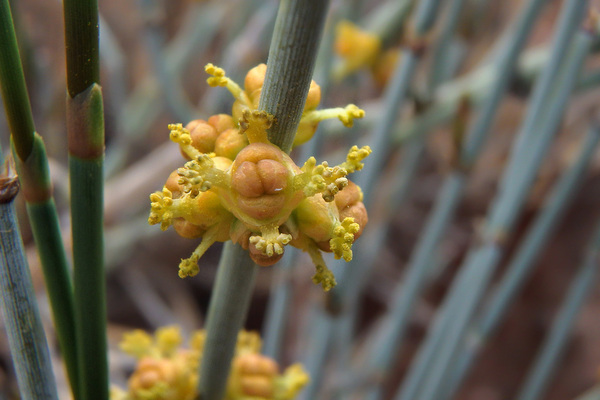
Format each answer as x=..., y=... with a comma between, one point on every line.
x=288, y=77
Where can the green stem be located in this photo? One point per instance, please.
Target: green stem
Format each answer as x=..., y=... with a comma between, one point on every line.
x=32, y=166
x=524, y=260
x=290, y=66
x=289, y=72
x=18, y=109
x=37, y=190
x=81, y=40
x=435, y=355
x=24, y=328
x=228, y=308
x=548, y=357
x=85, y=128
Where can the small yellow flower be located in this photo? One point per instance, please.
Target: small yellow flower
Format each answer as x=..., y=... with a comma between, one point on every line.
x=357, y=47
x=167, y=371
x=239, y=186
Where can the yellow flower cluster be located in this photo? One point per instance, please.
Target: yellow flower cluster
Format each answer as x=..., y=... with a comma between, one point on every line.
x=362, y=49
x=238, y=186
x=166, y=371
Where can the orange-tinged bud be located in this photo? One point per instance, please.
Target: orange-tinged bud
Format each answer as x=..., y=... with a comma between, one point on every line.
x=349, y=204
x=173, y=185
x=260, y=258
x=222, y=122
x=150, y=372
x=229, y=143
x=314, y=96
x=359, y=213
x=350, y=195
x=259, y=176
x=254, y=375
x=203, y=135
x=187, y=229
x=255, y=78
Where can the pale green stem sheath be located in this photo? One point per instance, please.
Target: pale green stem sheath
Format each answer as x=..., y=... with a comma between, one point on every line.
x=435, y=355
x=587, y=276
x=21, y=317
x=292, y=55
x=351, y=283
x=419, y=267
x=85, y=129
x=524, y=260
x=394, y=97
x=32, y=167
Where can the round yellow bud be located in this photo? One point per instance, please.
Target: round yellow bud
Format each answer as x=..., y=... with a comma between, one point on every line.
x=230, y=143
x=203, y=135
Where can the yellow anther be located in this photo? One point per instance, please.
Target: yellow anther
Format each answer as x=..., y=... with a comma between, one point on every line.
x=182, y=136
x=200, y=174
x=343, y=237
x=255, y=125
x=189, y=266
x=291, y=382
x=346, y=115
x=355, y=157
x=329, y=180
x=168, y=339
x=136, y=343
x=218, y=75
x=350, y=113
x=161, y=209
x=219, y=78
x=270, y=242
x=323, y=275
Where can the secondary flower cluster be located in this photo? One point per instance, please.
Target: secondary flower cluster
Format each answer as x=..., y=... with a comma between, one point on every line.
x=238, y=186
x=360, y=49
x=167, y=371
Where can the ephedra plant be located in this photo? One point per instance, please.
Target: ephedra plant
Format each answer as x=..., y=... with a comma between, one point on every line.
x=394, y=245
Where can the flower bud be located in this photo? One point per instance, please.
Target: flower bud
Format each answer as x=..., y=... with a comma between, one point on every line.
x=255, y=78
x=203, y=136
x=229, y=143
x=349, y=204
x=253, y=375
x=259, y=176
x=222, y=122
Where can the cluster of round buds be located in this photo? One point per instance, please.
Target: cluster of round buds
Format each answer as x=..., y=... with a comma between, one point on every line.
x=255, y=195
x=166, y=370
